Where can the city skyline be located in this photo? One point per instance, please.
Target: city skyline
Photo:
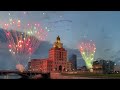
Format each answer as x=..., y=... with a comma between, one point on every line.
x=73, y=27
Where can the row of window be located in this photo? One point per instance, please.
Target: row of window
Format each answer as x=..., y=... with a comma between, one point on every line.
x=57, y=55
x=49, y=65
x=60, y=63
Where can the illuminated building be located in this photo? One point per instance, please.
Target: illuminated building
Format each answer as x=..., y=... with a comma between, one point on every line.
x=56, y=62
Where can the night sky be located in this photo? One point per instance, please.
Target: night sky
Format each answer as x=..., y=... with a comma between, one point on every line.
x=75, y=26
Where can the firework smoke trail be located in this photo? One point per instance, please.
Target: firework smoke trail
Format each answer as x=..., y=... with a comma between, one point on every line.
x=22, y=42
x=87, y=50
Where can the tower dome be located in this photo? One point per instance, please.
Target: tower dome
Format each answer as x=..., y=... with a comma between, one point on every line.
x=58, y=44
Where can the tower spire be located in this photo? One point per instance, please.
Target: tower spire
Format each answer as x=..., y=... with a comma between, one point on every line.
x=58, y=38
x=58, y=44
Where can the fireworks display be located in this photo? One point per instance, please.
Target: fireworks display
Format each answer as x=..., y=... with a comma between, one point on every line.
x=87, y=49
x=24, y=31
x=20, y=67
x=23, y=39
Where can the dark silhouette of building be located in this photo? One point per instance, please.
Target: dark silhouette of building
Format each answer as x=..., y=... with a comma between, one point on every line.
x=84, y=68
x=97, y=67
x=73, y=60
x=106, y=66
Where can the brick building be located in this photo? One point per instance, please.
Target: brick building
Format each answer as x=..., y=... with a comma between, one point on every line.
x=56, y=62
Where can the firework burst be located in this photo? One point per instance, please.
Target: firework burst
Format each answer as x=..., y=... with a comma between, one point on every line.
x=23, y=40
x=87, y=50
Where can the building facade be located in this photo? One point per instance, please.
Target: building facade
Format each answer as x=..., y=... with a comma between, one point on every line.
x=56, y=62
x=73, y=60
x=104, y=66
x=97, y=67
x=108, y=66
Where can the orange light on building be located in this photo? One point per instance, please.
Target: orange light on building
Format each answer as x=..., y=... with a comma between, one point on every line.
x=57, y=60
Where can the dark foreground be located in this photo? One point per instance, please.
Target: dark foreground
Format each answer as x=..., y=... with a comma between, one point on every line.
x=71, y=76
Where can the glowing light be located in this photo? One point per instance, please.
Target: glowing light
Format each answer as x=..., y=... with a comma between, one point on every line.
x=13, y=52
x=9, y=45
x=87, y=49
x=8, y=34
x=28, y=32
x=10, y=19
x=28, y=39
x=22, y=44
x=34, y=27
x=18, y=21
x=10, y=50
x=30, y=49
x=20, y=67
x=20, y=41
